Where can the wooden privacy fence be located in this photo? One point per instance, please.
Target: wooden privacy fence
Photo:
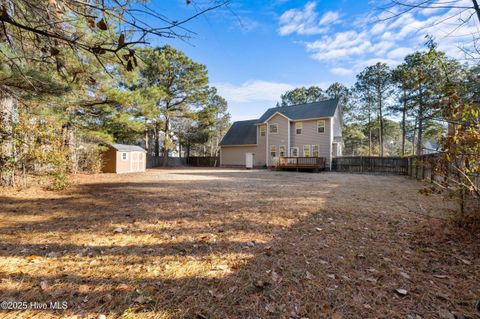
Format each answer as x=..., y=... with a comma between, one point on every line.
x=371, y=164
x=423, y=166
x=203, y=161
x=157, y=161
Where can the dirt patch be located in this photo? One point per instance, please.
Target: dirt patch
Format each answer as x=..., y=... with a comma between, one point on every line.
x=218, y=243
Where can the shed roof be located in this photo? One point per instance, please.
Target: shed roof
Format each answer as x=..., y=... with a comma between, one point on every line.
x=127, y=148
x=241, y=133
x=313, y=110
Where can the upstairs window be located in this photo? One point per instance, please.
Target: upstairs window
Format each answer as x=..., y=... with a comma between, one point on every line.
x=294, y=151
x=124, y=156
x=282, y=151
x=262, y=130
x=298, y=128
x=321, y=126
x=306, y=150
x=273, y=150
x=273, y=128
x=315, y=150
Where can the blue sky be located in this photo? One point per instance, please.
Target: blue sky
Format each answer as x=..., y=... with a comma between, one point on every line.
x=256, y=50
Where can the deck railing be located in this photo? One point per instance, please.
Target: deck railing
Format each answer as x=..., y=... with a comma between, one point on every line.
x=301, y=162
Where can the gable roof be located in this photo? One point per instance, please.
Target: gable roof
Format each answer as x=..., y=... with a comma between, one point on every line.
x=127, y=148
x=245, y=132
x=241, y=133
x=313, y=110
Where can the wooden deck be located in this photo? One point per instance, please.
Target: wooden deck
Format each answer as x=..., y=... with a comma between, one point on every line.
x=314, y=163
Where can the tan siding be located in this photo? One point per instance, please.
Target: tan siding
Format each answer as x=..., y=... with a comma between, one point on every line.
x=281, y=138
x=259, y=158
x=123, y=166
x=235, y=155
x=310, y=136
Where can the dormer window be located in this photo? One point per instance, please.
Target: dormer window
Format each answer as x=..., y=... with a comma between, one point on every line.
x=273, y=128
x=298, y=128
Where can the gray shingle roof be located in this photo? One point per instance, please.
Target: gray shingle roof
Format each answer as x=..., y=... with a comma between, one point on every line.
x=241, y=133
x=304, y=111
x=127, y=148
x=245, y=132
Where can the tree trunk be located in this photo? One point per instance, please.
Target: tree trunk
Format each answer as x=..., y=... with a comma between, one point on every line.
x=157, y=139
x=69, y=140
x=420, y=124
x=420, y=133
x=369, y=133
x=404, y=115
x=146, y=142
x=414, y=140
x=381, y=124
x=165, y=141
x=7, y=165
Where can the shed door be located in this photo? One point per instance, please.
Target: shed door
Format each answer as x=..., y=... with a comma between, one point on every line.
x=141, y=162
x=249, y=160
x=135, y=161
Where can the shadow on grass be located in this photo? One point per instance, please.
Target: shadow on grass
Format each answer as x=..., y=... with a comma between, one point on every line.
x=211, y=249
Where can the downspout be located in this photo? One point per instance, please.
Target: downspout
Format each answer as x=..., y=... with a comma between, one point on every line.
x=288, y=139
x=267, y=132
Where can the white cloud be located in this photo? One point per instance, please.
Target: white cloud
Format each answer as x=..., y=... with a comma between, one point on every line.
x=399, y=53
x=330, y=17
x=253, y=91
x=250, y=99
x=341, y=71
x=343, y=44
x=306, y=21
x=366, y=41
x=378, y=28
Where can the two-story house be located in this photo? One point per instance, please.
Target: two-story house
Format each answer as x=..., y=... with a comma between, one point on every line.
x=304, y=130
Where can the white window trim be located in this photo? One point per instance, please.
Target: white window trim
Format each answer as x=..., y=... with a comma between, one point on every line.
x=301, y=128
x=274, y=147
x=284, y=151
x=270, y=131
x=324, y=126
x=309, y=151
x=294, y=148
x=318, y=150
x=264, y=130
x=126, y=156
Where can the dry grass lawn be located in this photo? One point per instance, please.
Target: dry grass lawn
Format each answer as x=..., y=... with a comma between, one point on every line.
x=218, y=243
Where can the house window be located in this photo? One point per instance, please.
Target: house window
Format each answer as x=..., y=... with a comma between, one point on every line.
x=306, y=150
x=273, y=150
x=294, y=151
x=281, y=151
x=321, y=126
x=124, y=156
x=315, y=150
x=262, y=130
x=298, y=127
x=273, y=128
